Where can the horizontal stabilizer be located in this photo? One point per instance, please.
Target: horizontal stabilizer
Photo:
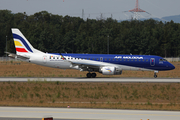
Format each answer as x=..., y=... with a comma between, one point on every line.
x=12, y=55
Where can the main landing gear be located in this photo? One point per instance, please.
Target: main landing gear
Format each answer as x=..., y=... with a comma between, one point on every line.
x=89, y=75
x=155, y=76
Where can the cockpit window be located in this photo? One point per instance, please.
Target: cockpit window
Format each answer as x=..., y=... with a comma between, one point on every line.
x=162, y=60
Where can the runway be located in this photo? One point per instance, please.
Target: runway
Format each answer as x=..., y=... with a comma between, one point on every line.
x=158, y=80
x=98, y=114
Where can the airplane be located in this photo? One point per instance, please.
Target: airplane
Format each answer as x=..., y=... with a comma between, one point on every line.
x=107, y=64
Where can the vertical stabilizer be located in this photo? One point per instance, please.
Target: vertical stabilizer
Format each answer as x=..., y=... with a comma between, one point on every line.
x=22, y=45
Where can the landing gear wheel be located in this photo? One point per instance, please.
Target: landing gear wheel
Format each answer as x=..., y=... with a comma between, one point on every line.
x=155, y=76
x=93, y=75
x=88, y=75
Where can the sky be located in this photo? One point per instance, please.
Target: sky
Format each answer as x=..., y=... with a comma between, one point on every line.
x=93, y=9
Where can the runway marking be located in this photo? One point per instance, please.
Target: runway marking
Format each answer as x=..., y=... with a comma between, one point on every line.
x=92, y=113
x=134, y=80
x=61, y=118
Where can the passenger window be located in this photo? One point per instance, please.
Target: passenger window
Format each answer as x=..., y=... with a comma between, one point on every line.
x=109, y=59
x=143, y=60
x=135, y=59
x=124, y=59
x=128, y=60
x=146, y=60
x=120, y=59
x=106, y=59
x=116, y=59
x=139, y=59
x=53, y=57
x=131, y=59
x=113, y=59
x=97, y=59
x=50, y=57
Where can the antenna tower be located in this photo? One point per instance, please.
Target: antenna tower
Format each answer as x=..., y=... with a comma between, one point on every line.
x=82, y=13
x=136, y=11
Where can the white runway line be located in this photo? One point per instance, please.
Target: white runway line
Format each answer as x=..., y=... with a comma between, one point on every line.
x=160, y=80
x=71, y=113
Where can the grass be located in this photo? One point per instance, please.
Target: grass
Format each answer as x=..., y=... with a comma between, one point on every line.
x=154, y=96
x=24, y=69
x=40, y=92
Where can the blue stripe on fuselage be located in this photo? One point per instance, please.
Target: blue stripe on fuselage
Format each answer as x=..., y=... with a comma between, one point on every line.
x=128, y=60
x=23, y=41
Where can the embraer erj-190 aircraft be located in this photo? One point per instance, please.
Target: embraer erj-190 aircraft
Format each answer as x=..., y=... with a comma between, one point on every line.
x=103, y=63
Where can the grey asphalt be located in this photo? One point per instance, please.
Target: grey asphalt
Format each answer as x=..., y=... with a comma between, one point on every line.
x=160, y=80
x=32, y=119
x=38, y=113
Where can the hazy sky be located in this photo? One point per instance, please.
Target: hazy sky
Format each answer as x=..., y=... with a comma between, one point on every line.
x=93, y=8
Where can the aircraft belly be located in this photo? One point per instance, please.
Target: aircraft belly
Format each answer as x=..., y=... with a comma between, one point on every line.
x=124, y=67
x=59, y=64
x=63, y=65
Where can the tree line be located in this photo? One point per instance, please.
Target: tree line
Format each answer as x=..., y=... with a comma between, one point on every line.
x=57, y=34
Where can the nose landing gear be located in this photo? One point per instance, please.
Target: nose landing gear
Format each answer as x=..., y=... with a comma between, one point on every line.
x=155, y=76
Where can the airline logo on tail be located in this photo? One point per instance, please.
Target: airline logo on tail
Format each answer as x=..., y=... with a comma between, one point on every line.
x=21, y=44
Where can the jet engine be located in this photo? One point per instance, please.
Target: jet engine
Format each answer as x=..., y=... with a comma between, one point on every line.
x=110, y=71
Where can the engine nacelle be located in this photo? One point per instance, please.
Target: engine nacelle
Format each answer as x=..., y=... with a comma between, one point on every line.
x=110, y=71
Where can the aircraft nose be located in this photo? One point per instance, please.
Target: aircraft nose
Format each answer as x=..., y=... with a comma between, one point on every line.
x=171, y=66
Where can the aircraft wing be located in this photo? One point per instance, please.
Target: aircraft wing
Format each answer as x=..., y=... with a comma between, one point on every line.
x=85, y=66
x=12, y=55
x=82, y=66
x=92, y=65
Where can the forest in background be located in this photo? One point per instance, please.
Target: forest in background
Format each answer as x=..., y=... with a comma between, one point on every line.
x=57, y=34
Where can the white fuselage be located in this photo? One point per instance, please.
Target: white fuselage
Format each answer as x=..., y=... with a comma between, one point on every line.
x=57, y=62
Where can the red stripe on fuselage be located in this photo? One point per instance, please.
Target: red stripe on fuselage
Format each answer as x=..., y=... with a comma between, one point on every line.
x=21, y=50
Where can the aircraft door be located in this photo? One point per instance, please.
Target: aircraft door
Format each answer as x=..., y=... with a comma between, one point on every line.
x=44, y=59
x=101, y=59
x=152, y=62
